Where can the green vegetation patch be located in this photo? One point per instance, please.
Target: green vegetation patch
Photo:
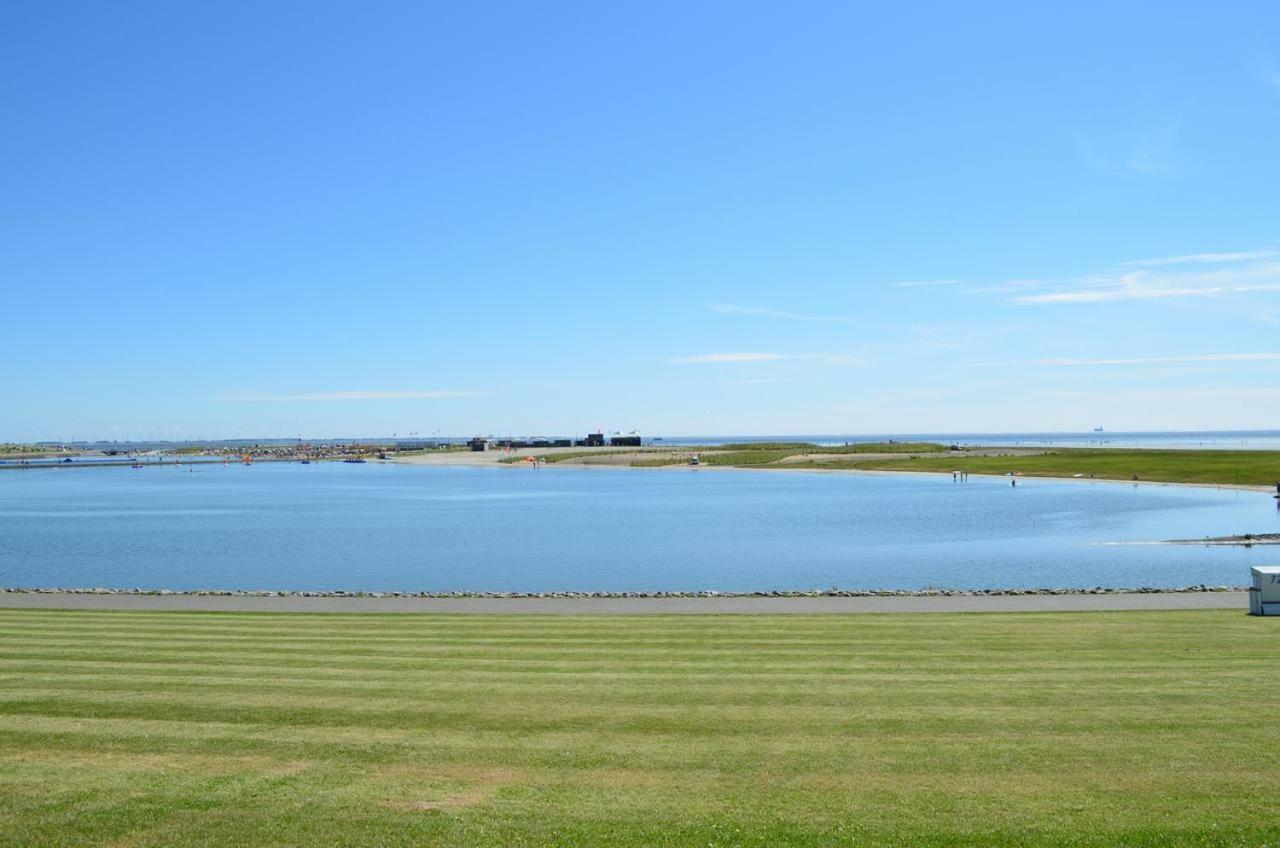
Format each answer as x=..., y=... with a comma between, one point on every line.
x=588, y=454
x=663, y=461
x=9, y=449
x=890, y=447
x=197, y=729
x=1224, y=467
x=767, y=453
x=746, y=457
x=793, y=448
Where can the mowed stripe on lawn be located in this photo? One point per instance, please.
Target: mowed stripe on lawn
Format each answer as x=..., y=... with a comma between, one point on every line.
x=232, y=729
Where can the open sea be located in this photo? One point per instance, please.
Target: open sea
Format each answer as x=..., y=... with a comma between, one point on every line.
x=388, y=527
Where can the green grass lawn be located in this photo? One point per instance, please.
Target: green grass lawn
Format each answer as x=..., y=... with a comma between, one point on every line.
x=190, y=729
x=1261, y=468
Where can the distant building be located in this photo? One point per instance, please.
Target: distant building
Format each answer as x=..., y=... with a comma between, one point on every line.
x=536, y=443
x=625, y=441
x=414, y=445
x=478, y=444
x=594, y=440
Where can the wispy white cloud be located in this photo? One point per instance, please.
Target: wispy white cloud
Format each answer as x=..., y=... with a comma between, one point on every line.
x=1205, y=258
x=1200, y=275
x=1132, y=289
x=1150, y=158
x=765, y=312
x=721, y=358
x=1172, y=393
x=842, y=359
x=432, y=394
x=1146, y=360
x=913, y=284
x=1007, y=287
x=1148, y=147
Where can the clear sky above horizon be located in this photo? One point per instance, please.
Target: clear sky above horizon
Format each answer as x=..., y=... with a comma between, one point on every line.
x=249, y=219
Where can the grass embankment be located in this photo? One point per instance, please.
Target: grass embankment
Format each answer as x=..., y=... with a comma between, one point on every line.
x=1253, y=468
x=462, y=448
x=566, y=456
x=9, y=450
x=591, y=454
x=792, y=448
x=767, y=453
x=186, y=729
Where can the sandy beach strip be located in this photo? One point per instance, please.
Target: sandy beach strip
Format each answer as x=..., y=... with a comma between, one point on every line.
x=634, y=606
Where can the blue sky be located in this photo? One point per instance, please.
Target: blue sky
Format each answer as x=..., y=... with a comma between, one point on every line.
x=230, y=220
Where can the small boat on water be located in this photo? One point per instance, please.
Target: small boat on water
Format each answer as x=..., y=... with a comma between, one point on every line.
x=136, y=465
x=306, y=462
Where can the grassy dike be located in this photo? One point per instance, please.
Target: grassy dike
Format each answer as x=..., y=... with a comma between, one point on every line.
x=1222, y=467
x=186, y=729
x=1214, y=467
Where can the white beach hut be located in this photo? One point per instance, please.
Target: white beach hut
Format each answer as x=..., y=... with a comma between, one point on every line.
x=1264, y=595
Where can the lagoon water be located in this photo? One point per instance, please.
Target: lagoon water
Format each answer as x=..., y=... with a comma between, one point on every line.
x=386, y=527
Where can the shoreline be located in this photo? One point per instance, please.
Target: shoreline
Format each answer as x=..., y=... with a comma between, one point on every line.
x=1199, y=588
x=455, y=462
x=483, y=460
x=1084, y=600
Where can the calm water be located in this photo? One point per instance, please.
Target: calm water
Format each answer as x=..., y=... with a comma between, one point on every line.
x=383, y=527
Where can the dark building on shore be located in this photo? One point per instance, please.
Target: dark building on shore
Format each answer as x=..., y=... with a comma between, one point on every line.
x=478, y=444
x=417, y=445
x=625, y=441
x=533, y=443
